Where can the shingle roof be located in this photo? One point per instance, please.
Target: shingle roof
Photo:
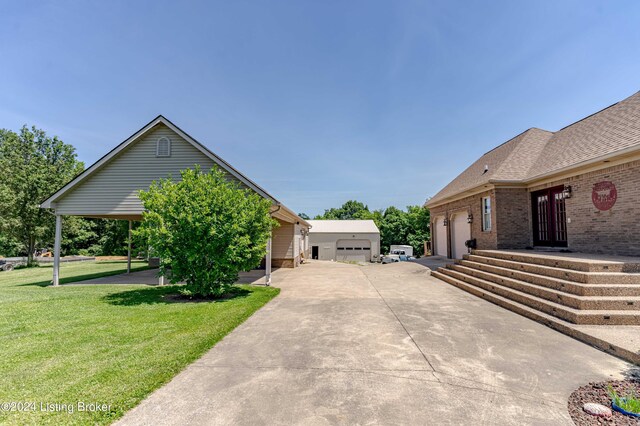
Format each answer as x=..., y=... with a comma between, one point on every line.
x=509, y=161
x=520, y=159
x=343, y=226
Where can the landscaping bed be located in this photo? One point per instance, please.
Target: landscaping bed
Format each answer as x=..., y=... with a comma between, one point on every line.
x=100, y=344
x=598, y=392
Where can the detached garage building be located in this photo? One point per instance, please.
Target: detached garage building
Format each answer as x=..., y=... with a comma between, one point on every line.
x=344, y=240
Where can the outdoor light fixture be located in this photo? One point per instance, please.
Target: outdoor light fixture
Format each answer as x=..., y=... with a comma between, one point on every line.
x=470, y=218
x=446, y=222
x=567, y=191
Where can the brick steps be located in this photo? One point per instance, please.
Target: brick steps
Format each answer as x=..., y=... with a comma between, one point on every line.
x=576, y=288
x=556, y=272
x=555, y=296
x=562, y=286
x=545, y=319
x=572, y=315
x=556, y=261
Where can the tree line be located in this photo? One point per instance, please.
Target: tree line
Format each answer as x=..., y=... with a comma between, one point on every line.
x=396, y=226
x=32, y=166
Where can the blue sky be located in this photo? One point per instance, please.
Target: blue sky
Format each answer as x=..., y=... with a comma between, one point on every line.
x=318, y=101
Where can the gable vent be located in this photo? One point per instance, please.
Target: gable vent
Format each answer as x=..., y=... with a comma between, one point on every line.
x=163, y=147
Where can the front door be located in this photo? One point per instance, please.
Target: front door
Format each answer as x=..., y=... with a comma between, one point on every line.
x=314, y=252
x=549, y=217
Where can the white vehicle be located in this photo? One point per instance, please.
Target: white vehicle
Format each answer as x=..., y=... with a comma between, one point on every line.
x=401, y=249
x=390, y=258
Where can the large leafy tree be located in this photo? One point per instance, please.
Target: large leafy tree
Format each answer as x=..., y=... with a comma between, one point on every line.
x=206, y=229
x=32, y=165
x=394, y=228
x=419, y=227
x=348, y=211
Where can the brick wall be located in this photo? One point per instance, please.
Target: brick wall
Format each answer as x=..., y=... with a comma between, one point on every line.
x=485, y=240
x=614, y=231
x=513, y=212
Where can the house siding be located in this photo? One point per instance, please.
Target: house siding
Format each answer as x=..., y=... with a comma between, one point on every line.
x=113, y=189
x=282, y=251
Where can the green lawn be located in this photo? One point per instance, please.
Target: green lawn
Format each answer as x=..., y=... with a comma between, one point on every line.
x=95, y=343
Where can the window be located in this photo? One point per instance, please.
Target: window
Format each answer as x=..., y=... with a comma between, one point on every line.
x=163, y=147
x=486, y=213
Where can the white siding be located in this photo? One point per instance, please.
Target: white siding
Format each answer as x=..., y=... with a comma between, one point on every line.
x=113, y=188
x=326, y=243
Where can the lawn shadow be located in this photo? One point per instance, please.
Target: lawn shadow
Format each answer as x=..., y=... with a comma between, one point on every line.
x=84, y=277
x=166, y=295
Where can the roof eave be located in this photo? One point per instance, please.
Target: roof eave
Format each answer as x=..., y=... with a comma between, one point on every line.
x=431, y=203
x=586, y=163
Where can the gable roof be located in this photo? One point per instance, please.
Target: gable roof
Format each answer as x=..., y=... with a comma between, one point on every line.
x=536, y=152
x=48, y=203
x=343, y=227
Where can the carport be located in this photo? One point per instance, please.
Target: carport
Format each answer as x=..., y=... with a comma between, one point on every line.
x=109, y=189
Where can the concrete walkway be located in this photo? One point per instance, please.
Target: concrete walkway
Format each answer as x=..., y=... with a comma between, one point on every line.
x=379, y=344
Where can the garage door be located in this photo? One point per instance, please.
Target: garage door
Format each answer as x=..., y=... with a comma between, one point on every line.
x=461, y=232
x=441, y=237
x=353, y=250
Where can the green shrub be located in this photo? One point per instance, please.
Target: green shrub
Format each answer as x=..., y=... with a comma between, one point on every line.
x=205, y=229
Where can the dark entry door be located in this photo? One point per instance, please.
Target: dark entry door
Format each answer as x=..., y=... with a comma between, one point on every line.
x=549, y=217
x=314, y=252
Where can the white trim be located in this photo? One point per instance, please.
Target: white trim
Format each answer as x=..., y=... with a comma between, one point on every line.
x=484, y=214
x=56, y=251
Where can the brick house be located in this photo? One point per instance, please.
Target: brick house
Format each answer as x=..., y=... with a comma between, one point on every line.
x=576, y=189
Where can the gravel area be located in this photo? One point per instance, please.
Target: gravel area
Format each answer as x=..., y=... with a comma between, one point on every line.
x=597, y=392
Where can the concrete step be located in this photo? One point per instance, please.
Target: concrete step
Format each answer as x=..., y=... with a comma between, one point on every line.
x=594, y=263
x=561, y=297
x=577, y=288
x=556, y=272
x=543, y=318
x=575, y=316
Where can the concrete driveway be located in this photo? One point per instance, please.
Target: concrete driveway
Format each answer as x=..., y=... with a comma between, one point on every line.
x=379, y=344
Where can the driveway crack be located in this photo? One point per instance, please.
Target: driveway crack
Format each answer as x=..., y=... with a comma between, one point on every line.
x=403, y=326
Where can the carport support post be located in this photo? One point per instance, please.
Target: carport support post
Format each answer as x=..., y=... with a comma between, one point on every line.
x=56, y=251
x=129, y=251
x=268, y=263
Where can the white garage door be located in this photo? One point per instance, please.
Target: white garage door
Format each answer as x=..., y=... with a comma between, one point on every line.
x=441, y=237
x=461, y=232
x=353, y=250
